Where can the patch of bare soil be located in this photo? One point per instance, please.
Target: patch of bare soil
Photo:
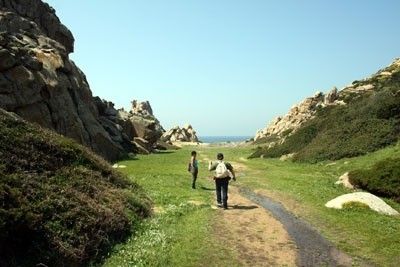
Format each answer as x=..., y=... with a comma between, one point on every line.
x=254, y=233
x=239, y=167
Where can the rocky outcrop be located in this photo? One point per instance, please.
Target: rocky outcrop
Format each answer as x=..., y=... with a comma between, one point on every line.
x=40, y=83
x=138, y=128
x=298, y=114
x=281, y=127
x=177, y=134
x=145, y=124
x=37, y=15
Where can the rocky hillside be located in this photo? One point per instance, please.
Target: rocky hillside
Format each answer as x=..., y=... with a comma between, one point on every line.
x=40, y=83
x=297, y=115
x=360, y=118
x=60, y=204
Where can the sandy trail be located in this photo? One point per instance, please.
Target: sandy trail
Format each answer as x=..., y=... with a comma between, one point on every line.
x=254, y=233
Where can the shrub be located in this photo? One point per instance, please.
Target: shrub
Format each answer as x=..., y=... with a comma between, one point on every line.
x=60, y=204
x=382, y=179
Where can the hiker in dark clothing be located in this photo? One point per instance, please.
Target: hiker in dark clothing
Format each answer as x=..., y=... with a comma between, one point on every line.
x=194, y=168
x=223, y=174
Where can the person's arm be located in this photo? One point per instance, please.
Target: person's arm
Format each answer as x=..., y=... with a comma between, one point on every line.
x=192, y=162
x=212, y=166
x=230, y=168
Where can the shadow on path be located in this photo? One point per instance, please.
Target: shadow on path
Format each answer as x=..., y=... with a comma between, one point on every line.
x=242, y=207
x=206, y=188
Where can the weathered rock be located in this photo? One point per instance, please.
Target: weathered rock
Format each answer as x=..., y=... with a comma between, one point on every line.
x=374, y=202
x=143, y=145
x=142, y=109
x=298, y=114
x=40, y=83
x=38, y=17
x=7, y=60
x=331, y=97
x=177, y=134
x=345, y=181
x=161, y=145
x=145, y=124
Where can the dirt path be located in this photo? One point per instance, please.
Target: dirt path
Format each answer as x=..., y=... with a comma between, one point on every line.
x=264, y=233
x=314, y=250
x=254, y=233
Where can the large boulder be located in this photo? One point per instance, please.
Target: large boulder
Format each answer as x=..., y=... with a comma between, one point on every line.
x=372, y=201
x=177, y=134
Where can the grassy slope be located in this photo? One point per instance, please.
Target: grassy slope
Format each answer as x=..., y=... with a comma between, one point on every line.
x=369, y=122
x=60, y=204
x=180, y=233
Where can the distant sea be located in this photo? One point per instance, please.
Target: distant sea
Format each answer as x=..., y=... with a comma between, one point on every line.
x=223, y=139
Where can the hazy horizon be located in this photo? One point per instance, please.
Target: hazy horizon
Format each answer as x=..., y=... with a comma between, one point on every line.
x=227, y=67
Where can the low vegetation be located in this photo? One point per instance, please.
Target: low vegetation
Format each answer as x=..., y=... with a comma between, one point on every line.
x=382, y=179
x=304, y=189
x=366, y=124
x=60, y=204
x=181, y=231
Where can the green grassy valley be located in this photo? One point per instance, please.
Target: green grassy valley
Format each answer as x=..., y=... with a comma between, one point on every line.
x=95, y=177
x=181, y=232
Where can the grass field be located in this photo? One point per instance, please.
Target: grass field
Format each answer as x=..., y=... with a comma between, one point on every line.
x=180, y=233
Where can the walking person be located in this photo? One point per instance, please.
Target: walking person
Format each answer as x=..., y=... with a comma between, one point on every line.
x=193, y=168
x=223, y=174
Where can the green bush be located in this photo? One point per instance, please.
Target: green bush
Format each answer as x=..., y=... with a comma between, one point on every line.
x=60, y=204
x=382, y=179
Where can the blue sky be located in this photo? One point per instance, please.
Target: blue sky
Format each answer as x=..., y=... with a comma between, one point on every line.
x=229, y=66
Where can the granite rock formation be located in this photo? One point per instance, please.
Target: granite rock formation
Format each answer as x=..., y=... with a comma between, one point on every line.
x=281, y=127
x=40, y=83
x=177, y=134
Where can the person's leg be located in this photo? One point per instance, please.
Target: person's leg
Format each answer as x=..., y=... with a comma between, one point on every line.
x=218, y=190
x=225, y=192
x=194, y=178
